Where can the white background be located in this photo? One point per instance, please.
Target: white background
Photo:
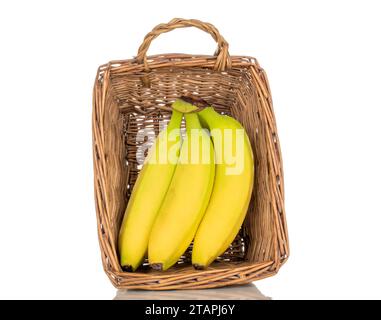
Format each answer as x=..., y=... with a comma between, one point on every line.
x=323, y=63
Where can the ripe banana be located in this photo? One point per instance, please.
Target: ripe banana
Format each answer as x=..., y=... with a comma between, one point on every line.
x=148, y=194
x=187, y=197
x=232, y=188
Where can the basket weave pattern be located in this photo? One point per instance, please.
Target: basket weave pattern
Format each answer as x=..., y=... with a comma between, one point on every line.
x=131, y=95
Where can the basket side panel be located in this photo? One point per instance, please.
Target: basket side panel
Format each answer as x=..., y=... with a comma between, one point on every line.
x=282, y=240
x=265, y=225
x=110, y=171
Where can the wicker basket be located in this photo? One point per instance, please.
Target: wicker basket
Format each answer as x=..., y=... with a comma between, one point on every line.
x=131, y=95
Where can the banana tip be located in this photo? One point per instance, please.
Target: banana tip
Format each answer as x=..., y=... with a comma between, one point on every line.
x=127, y=268
x=199, y=267
x=157, y=266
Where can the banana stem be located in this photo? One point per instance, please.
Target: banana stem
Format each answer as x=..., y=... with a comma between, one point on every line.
x=209, y=116
x=192, y=122
x=189, y=104
x=175, y=120
x=196, y=102
x=184, y=106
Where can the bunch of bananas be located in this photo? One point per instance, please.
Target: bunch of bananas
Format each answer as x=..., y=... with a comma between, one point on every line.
x=193, y=188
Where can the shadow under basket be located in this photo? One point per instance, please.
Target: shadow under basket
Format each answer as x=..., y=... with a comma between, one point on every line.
x=131, y=100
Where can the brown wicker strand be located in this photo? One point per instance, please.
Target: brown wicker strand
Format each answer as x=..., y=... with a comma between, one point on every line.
x=222, y=53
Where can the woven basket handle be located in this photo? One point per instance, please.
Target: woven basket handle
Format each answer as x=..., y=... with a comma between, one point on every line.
x=223, y=59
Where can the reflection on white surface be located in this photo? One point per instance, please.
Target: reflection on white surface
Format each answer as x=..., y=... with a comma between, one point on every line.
x=244, y=292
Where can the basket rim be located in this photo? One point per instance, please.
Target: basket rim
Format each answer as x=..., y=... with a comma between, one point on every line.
x=176, y=60
x=237, y=273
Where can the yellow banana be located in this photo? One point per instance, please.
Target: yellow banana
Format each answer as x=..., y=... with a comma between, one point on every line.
x=232, y=188
x=187, y=197
x=148, y=194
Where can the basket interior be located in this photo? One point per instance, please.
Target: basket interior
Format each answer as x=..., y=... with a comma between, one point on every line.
x=146, y=107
